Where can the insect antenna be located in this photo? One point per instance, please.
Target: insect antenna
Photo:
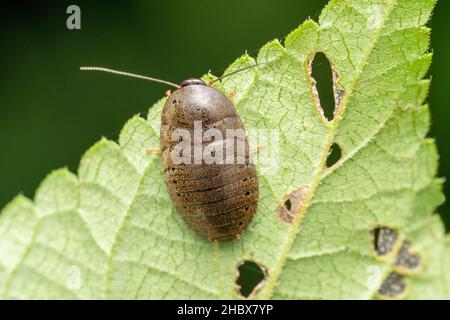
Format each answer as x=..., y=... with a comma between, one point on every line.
x=234, y=72
x=129, y=74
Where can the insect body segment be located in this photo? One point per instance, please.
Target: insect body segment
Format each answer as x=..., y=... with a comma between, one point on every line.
x=217, y=200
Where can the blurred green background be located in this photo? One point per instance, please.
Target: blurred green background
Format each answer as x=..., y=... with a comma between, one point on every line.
x=50, y=113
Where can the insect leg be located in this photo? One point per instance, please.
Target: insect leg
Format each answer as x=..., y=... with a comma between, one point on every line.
x=231, y=95
x=153, y=150
x=256, y=151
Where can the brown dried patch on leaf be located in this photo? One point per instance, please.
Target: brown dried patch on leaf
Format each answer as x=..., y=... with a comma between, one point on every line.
x=393, y=287
x=384, y=240
x=291, y=205
x=324, y=80
x=250, y=278
x=407, y=262
x=339, y=96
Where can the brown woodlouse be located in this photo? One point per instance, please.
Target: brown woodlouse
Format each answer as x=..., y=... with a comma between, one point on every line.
x=217, y=200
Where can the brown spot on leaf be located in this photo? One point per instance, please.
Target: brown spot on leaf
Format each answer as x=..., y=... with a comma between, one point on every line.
x=339, y=96
x=407, y=262
x=250, y=278
x=393, y=287
x=291, y=205
x=384, y=240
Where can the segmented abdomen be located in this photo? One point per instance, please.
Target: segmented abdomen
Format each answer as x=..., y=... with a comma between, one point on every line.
x=216, y=200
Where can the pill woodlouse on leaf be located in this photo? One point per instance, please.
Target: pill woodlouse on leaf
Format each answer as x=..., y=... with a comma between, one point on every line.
x=217, y=199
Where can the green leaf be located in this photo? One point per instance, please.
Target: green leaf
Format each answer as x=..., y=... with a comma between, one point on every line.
x=111, y=231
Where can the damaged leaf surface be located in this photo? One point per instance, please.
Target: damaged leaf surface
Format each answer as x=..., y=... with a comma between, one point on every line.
x=111, y=231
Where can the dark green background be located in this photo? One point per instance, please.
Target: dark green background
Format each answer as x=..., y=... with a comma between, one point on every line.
x=50, y=113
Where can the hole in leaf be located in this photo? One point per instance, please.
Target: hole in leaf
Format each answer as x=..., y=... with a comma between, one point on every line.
x=334, y=155
x=407, y=261
x=288, y=204
x=250, y=278
x=291, y=205
x=323, y=75
x=394, y=286
x=384, y=239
